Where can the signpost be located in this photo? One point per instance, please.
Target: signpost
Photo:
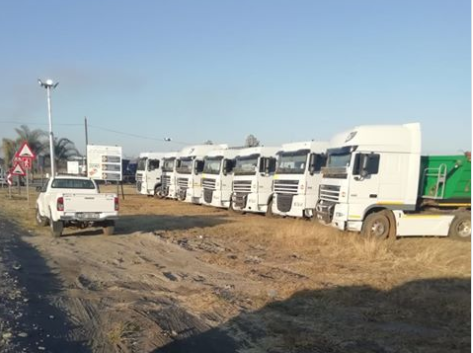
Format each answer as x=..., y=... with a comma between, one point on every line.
x=22, y=163
x=105, y=163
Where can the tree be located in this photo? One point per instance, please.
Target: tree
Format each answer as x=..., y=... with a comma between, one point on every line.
x=63, y=150
x=36, y=138
x=251, y=141
x=9, y=148
x=208, y=142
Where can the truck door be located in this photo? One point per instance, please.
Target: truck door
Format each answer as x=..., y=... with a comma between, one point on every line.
x=153, y=176
x=364, y=184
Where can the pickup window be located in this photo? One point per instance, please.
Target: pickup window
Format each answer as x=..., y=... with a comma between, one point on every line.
x=72, y=184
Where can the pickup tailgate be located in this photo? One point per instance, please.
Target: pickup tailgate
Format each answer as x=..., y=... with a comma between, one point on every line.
x=97, y=203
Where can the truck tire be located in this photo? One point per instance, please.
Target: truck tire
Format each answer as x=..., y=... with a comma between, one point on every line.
x=460, y=228
x=109, y=228
x=56, y=228
x=269, y=212
x=157, y=190
x=376, y=225
x=40, y=220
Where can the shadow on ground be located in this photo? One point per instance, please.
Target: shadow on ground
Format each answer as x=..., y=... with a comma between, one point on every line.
x=150, y=223
x=128, y=224
x=431, y=315
x=45, y=324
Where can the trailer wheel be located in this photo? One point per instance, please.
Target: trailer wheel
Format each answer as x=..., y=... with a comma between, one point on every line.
x=461, y=226
x=376, y=225
x=109, y=228
x=40, y=220
x=56, y=228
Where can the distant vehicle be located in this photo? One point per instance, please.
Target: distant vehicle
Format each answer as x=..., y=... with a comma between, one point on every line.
x=252, y=179
x=128, y=171
x=189, y=168
x=297, y=178
x=149, y=172
x=67, y=201
x=377, y=182
x=168, y=177
x=218, y=177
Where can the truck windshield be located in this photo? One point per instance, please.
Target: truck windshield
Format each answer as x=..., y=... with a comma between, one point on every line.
x=184, y=165
x=168, y=165
x=292, y=162
x=72, y=184
x=141, y=164
x=246, y=165
x=212, y=165
x=339, y=157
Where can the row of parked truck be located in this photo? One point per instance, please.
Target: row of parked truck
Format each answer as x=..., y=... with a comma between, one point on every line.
x=371, y=179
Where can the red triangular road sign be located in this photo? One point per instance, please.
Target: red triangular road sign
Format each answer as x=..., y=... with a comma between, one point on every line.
x=25, y=151
x=17, y=169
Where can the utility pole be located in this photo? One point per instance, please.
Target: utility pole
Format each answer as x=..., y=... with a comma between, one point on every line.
x=86, y=144
x=49, y=84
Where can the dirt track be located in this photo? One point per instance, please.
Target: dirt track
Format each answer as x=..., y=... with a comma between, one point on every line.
x=185, y=278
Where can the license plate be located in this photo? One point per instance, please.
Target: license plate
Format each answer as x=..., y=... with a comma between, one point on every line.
x=88, y=215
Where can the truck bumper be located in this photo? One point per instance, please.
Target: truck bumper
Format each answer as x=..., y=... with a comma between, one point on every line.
x=294, y=204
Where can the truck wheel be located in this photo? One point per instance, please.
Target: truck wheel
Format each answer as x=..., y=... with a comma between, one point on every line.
x=109, y=228
x=56, y=228
x=269, y=211
x=40, y=220
x=461, y=226
x=376, y=225
x=157, y=191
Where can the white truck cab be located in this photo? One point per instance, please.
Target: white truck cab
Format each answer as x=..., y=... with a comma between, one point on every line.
x=148, y=173
x=372, y=180
x=218, y=176
x=168, y=177
x=297, y=178
x=189, y=167
x=252, y=179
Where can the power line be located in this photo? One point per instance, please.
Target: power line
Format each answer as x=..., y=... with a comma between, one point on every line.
x=32, y=123
x=100, y=128
x=137, y=136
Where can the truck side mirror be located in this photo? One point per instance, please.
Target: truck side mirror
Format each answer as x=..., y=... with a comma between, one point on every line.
x=312, y=163
x=227, y=166
x=364, y=165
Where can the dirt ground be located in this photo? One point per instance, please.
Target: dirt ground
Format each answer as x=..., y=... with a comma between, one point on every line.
x=178, y=277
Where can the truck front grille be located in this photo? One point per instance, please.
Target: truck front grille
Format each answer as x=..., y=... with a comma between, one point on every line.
x=182, y=182
x=286, y=186
x=208, y=195
x=242, y=186
x=329, y=193
x=240, y=200
x=284, y=202
x=208, y=184
x=139, y=177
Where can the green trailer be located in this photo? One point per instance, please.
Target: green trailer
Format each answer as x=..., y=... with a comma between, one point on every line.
x=446, y=180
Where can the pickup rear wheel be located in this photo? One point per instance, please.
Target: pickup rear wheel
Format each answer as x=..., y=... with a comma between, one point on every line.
x=40, y=220
x=56, y=228
x=109, y=228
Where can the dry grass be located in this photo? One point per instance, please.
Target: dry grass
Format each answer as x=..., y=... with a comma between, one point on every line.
x=333, y=289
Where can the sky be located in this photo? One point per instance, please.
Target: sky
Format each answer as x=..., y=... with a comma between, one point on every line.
x=193, y=71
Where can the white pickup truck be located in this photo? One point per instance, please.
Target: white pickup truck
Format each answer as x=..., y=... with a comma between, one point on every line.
x=66, y=201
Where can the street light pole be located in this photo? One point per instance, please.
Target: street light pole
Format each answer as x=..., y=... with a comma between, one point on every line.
x=49, y=84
